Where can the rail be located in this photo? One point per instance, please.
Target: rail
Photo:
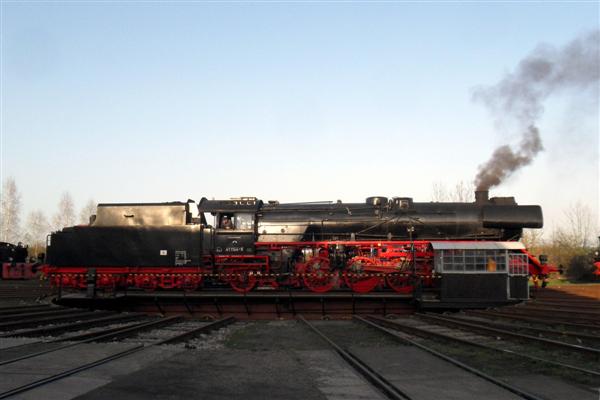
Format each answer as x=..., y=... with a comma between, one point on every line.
x=438, y=335
x=543, y=331
x=376, y=379
x=54, y=329
x=5, y=326
x=115, y=356
x=543, y=321
x=513, y=389
x=473, y=326
x=106, y=334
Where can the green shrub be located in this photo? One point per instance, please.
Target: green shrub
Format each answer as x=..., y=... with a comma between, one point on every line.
x=581, y=268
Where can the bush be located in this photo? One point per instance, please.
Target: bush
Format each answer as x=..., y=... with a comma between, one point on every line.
x=581, y=268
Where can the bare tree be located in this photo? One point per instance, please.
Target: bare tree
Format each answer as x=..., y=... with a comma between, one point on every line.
x=580, y=224
x=65, y=216
x=533, y=240
x=37, y=229
x=87, y=211
x=572, y=241
x=463, y=192
x=439, y=192
x=10, y=210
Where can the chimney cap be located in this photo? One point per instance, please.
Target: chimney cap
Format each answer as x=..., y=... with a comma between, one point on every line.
x=482, y=196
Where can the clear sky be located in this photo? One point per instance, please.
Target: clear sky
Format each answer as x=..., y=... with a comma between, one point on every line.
x=163, y=101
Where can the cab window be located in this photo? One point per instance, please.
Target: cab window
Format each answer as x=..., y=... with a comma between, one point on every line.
x=244, y=221
x=226, y=221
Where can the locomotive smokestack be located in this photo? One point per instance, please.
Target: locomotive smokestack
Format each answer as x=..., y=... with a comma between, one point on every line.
x=482, y=196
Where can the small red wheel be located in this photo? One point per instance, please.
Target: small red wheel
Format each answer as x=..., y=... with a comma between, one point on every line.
x=147, y=282
x=357, y=276
x=190, y=283
x=167, y=281
x=242, y=280
x=106, y=282
x=400, y=282
x=317, y=275
x=427, y=276
x=81, y=281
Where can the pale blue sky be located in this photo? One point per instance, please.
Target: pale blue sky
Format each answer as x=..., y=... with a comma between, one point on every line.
x=297, y=102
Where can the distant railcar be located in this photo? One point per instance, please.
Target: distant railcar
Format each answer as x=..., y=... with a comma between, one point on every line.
x=15, y=264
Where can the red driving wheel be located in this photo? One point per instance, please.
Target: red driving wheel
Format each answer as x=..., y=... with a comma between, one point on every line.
x=318, y=276
x=241, y=280
x=357, y=277
x=189, y=283
x=399, y=282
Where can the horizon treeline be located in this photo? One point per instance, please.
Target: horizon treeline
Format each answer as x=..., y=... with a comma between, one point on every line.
x=36, y=226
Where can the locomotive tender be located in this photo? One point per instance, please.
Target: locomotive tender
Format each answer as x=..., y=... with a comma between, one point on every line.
x=459, y=251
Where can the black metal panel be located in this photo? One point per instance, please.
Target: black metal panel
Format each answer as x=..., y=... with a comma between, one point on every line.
x=125, y=246
x=128, y=214
x=518, y=287
x=485, y=286
x=512, y=217
x=243, y=204
x=233, y=242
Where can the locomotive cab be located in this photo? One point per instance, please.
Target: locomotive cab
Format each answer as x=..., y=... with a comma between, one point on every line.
x=234, y=230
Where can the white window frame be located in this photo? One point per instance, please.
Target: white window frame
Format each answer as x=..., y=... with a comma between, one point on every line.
x=477, y=258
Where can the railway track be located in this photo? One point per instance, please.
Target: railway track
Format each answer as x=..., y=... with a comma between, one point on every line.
x=53, y=312
x=167, y=330
x=107, y=333
x=553, y=322
x=568, y=336
x=21, y=309
x=574, y=312
x=476, y=339
x=390, y=390
x=511, y=332
x=23, y=290
x=381, y=379
x=50, y=318
x=72, y=326
x=561, y=316
x=576, y=307
x=579, y=304
x=583, y=292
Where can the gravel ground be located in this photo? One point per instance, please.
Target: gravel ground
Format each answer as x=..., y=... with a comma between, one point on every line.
x=93, y=329
x=249, y=360
x=15, y=341
x=547, y=381
x=352, y=334
x=214, y=340
x=274, y=360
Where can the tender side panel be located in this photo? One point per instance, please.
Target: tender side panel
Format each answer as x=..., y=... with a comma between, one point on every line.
x=126, y=246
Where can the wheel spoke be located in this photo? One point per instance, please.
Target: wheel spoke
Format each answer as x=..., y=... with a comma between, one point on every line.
x=399, y=282
x=358, y=277
x=240, y=280
x=318, y=276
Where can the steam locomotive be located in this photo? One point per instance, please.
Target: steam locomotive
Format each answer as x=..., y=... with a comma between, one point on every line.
x=460, y=250
x=15, y=263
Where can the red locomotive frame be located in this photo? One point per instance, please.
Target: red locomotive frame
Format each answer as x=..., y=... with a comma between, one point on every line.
x=398, y=265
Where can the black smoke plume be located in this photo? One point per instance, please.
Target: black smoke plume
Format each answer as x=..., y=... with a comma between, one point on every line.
x=519, y=98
